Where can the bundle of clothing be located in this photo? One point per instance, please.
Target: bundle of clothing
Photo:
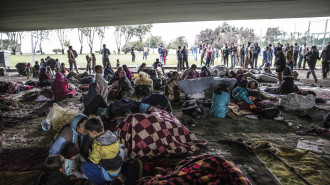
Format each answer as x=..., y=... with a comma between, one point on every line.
x=157, y=82
x=143, y=84
x=7, y=87
x=198, y=109
x=297, y=102
x=159, y=101
x=157, y=133
x=201, y=169
x=220, y=71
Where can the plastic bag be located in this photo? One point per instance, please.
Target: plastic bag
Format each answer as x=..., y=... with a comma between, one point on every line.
x=59, y=116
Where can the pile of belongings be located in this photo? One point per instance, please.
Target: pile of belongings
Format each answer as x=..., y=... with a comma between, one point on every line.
x=21, y=68
x=7, y=87
x=219, y=71
x=297, y=102
x=198, y=109
x=157, y=82
x=263, y=78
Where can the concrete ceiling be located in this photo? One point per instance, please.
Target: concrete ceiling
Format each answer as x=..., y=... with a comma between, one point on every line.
x=26, y=15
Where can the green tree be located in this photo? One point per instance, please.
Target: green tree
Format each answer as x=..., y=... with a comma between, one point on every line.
x=14, y=39
x=57, y=50
x=154, y=41
x=89, y=33
x=142, y=30
x=179, y=41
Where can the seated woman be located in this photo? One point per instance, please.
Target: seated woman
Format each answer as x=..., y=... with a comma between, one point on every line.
x=205, y=72
x=142, y=66
x=192, y=74
x=115, y=76
x=220, y=98
x=241, y=98
x=108, y=72
x=172, y=90
x=44, y=79
x=254, y=91
x=128, y=72
x=93, y=100
x=60, y=88
x=124, y=85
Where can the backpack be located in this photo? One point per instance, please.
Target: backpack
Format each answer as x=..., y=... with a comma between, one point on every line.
x=75, y=53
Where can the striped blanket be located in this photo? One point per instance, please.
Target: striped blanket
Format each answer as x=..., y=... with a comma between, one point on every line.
x=155, y=134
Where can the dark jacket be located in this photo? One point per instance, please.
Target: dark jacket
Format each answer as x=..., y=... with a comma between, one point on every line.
x=286, y=86
x=54, y=178
x=325, y=55
x=280, y=63
x=178, y=54
x=184, y=54
x=108, y=72
x=233, y=49
x=225, y=51
x=312, y=57
x=51, y=63
x=256, y=50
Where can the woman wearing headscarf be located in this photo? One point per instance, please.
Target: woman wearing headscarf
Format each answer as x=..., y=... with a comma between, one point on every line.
x=124, y=85
x=128, y=72
x=220, y=99
x=60, y=87
x=93, y=100
x=205, y=72
x=44, y=79
x=172, y=90
x=241, y=97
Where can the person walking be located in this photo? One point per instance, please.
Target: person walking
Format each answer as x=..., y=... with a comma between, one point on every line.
x=295, y=54
x=203, y=54
x=195, y=52
x=145, y=52
x=279, y=45
x=248, y=56
x=256, y=51
x=325, y=55
x=105, y=52
x=133, y=53
x=179, y=59
x=160, y=52
x=270, y=54
x=72, y=59
x=225, y=53
x=265, y=57
x=302, y=51
x=233, y=53
x=208, y=56
x=311, y=57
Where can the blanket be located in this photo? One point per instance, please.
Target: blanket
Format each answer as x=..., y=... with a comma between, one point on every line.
x=198, y=85
x=202, y=169
x=158, y=133
x=297, y=102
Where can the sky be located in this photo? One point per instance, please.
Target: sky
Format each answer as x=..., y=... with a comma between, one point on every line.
x=169, y=31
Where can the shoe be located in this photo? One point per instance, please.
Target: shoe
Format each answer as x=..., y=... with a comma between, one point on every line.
x=315, y=80
x=307, y=75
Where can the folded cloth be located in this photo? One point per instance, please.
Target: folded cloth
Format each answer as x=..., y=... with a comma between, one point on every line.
x=198, y=85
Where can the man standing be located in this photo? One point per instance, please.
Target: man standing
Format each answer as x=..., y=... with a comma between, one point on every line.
x=233, y=52
x=265, y=57
x=72, y=59
x=133, y=53
x=105, y=55
x=179, y=59
x=279, y=64
x=279, y=45
x=208, y=56
x=195, y=52
x=203, y=54
x=289, y=58
x=270, y=54
x=225, y=52
x=256, y=51
x=184, y=53
x=160, y=52
x=247, y=55
x=325, y=60
x=295, y=54
x=241, y=55
x=145, y=52
x=312, y=57
x=302, y=51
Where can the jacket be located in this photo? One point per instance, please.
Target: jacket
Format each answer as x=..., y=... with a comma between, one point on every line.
x=220, y=102
x=232, y=50
x=241, y=94
x=289, y=56
x=184, y=54
x=105, y=53
x=325, y=55
x=265, y=55
x=178, y=54
x=256, y=50
x=107, y=152
x=160, y=50
x=312, y=57
x=225, y=51
x=280, y=63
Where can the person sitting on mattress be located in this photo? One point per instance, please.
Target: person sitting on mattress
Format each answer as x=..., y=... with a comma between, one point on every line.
x=254, y=91
x=242, y=98
x=44, y=79
x=220, y=98
x=60, y=88
x=172, y=90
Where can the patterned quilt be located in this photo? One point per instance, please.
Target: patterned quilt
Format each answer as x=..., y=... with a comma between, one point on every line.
x=202, y=169
x=155, y=134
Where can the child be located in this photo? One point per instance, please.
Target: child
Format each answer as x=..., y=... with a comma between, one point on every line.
x=28, y=70
x=63, y=69
x=221, y=98
x=118, y=63
x=106, y=156
x=72, y=159
x=93, y=62
x=57, y=66
x=89, y=61
x=36, y=69
x=54, y=173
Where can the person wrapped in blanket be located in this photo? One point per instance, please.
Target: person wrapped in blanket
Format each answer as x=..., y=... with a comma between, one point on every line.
x=124, y=85
x=220, y=99
x=106, y=156
x=44, y=79
x=242, y=98
x=93, y=100
x=108, y=72
x=143, y=84
x=172, y=90
x=205, y=72
x=60, y=88
x=101, y=83
x=63, y=69
x=73, y=133
x=253, y=90
x=128, y=72
x=115, y=76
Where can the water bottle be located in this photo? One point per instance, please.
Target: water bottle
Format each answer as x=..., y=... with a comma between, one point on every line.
x=45, y=125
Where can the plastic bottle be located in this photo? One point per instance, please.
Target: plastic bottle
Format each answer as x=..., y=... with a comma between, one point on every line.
x=45, y=125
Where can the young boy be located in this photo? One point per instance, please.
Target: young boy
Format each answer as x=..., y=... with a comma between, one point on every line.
x=57, y=66
x=118, y=63
x=36, y=69
x=89, y=63
x=28, y=70
x=72, y=159
x=107, y=155
x=54, y=173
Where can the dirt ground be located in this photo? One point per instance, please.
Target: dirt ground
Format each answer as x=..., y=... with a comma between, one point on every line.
x=28, y=134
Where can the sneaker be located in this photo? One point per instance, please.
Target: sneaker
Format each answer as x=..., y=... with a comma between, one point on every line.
x=315, y=80
x=307, y=75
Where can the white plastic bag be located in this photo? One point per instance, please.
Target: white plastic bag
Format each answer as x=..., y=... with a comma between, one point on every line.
x=59, y=116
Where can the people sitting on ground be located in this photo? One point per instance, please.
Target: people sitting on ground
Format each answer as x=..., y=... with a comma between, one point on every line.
x=93, y=100
x=205, y=72
x=108, y=72
x=241, y=97
x=143, y=84
x=71, y=155
x=172, y=90
x=101, y=83
x=220, y=99
x=44, y=79
x=254, y=91
x=60, y=88
x=36, y=69
x=192, y=74
x=124, y=85
x=54, y=171
x=142, y=66
x=128, y=72
x=72, y=133
x=106, y=156
x=115, y=76
x=287, y=84
x=63, y=69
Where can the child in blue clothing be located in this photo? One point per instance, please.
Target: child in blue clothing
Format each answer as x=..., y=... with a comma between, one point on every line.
x=241, y=97
x=221, y=98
